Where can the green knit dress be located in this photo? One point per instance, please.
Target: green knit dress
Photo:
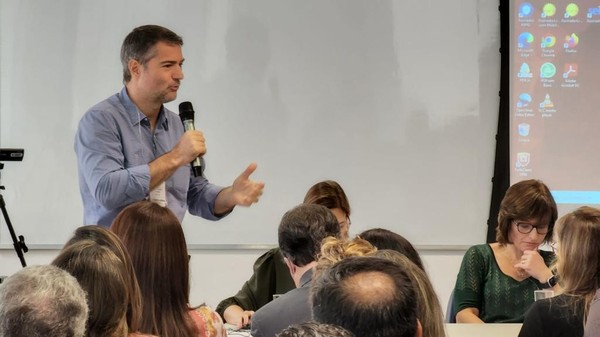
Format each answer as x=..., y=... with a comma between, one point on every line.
x=481, y=284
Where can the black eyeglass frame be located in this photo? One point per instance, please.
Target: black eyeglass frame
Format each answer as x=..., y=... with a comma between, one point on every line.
x=519, y=225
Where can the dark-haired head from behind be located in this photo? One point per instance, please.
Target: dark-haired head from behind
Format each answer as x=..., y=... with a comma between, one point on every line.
x=314, y=329
x=302, y=230
x=386, y=239
x=367, y=296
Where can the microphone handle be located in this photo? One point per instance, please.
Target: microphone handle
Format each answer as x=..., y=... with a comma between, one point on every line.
x=188, y=125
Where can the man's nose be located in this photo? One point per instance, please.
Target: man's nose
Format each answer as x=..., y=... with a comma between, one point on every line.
x=178, y=74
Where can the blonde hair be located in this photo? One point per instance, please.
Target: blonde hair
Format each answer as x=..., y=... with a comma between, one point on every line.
x=429, y=311
x=334, y=250
x=578, y=262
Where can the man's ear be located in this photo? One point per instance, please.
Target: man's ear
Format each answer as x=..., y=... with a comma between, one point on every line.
x=134, y=68
x=291, y=266
x=419, y=332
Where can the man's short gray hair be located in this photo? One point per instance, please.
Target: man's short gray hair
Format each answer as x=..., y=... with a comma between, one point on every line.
x=42, y=301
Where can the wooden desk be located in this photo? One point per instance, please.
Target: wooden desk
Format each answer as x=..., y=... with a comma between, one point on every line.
x=482, y=330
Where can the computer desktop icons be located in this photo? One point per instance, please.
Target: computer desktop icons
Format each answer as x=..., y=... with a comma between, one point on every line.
x=525, y=100
x=523, y=160
x=548, y=70
x=523, y=129
x=549, y=11
x=527, y=41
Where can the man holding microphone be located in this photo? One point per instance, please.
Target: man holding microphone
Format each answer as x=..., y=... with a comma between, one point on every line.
x=130, y=147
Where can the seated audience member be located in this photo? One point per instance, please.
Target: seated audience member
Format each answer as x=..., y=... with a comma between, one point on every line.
x=333, y=250
x=429, y=311
x=592, y=324
x=155, y=241
x=578, y=266
x=495, y=283
x=106, y=238
x=330, y=194
x=271, y=276
x=367, y=296
x=103, y=276
x=386, y=239
x=42, y=301
x=314, y=329
x=300, y=233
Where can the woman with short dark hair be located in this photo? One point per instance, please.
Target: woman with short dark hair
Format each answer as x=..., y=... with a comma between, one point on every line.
x=496, y=281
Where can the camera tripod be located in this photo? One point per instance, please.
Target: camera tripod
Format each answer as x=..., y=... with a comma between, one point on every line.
x=19, y=243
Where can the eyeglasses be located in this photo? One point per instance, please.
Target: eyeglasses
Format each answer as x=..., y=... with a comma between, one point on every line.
x=526, y=228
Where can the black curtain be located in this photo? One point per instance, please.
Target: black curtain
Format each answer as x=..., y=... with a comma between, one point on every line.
x=501, y=179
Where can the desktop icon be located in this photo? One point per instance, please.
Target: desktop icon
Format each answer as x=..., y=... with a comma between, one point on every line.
x=524, y=100
x=525, y=10
x=548, y=41
x=524, y=71
x=571, y=41
x=548, y=10
x=525, y=40
x=571, y=11
x=593, y=12
x=570, y=70
x=523, y=159
x=547, y=70
x=546, y=103
x=524, y=129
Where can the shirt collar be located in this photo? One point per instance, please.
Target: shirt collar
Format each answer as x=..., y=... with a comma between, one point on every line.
x=306, y=277
x=136, y=116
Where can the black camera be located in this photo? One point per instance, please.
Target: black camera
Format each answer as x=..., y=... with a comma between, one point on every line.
x=11, y=154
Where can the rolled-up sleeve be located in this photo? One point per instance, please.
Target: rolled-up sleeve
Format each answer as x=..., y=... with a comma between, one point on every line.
x=201, y=198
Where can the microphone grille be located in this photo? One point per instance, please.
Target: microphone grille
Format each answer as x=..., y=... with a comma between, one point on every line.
x=186, y=111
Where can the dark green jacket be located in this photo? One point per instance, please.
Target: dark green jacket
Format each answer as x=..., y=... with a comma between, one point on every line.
x=271, y=276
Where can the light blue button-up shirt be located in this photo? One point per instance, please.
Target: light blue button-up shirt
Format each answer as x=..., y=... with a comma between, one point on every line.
x=114, y=145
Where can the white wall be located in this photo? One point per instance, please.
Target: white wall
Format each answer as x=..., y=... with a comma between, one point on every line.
x=217, y=274
x=416, y=80
x=397, y=100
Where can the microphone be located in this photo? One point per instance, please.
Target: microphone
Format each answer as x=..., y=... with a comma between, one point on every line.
x=186, y=113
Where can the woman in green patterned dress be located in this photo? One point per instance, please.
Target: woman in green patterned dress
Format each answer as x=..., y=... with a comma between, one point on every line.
x=496, y=282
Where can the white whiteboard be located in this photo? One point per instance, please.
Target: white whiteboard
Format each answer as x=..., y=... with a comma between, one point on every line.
x=396, y=100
